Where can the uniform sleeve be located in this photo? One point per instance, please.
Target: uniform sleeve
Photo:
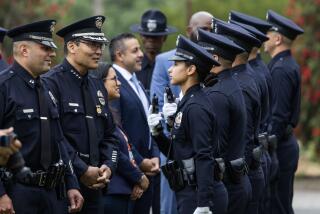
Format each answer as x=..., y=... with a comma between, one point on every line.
x=80, y=167
x=201, y=127
x=163, y=144
x=252, y=124
x=127, y=170
x=109, y=149
x=281, y=103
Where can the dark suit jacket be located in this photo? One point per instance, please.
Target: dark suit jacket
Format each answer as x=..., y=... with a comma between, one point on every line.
x=134, y=120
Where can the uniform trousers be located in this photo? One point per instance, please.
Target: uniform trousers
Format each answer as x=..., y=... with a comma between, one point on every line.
x=187, y=199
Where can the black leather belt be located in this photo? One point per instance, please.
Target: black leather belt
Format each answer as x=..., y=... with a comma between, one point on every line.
x=38, y=179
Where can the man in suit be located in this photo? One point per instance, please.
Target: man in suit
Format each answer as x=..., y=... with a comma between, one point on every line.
x=133, y=105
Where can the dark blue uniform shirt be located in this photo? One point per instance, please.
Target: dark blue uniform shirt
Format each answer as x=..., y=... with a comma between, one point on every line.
x=228, y=101
x=265, y=70
x=252, y=103
x=65, y=83
x=286, y=82
x=20, y=109
x=194, y=139
x=260, y=79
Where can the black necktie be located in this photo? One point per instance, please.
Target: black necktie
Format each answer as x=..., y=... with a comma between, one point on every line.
x=45, y=126
x=89, y=112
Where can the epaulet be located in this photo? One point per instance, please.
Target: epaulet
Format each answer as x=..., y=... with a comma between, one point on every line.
x=6, y=74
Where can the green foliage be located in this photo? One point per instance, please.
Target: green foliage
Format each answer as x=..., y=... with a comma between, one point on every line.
x=307, y=51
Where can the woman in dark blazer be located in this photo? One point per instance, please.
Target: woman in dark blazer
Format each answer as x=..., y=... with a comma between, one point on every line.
x=129, y=181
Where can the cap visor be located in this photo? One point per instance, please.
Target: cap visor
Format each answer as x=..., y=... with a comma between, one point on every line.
x=48, y=43
x=177, y=58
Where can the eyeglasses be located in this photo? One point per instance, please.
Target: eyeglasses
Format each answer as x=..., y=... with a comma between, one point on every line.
x=115, y=78
x=94, y=45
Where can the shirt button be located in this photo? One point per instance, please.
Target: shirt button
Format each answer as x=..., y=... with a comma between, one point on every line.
x=76, y=110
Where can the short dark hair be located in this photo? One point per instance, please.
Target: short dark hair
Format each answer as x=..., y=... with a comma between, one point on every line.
x=65, y=47
x=116, y=44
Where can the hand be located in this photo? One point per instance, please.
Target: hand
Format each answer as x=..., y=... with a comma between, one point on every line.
x=6, y=206
x=144, y=183
x=91, y=176
x=154, y=122
x=76, y=200
x=103, y=179
x=6, y=152
x=202, y=210
x=136, y=192
x=146, y=165
x=168, y=109
x=156, y=166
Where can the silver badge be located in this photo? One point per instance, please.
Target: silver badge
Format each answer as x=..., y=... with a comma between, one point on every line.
x=177, y=120
x=52, y=26
x=151, y=25
x=99, y=22
x=102, y=101
x=99, y=94
x=177, y=41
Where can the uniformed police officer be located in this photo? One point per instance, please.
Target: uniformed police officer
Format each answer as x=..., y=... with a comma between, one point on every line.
x=269, y=165
x=241, y=72
x=194, y=138
x=225, y=94
x=3, y=64
x=83, y=106
x=30, y=108
x=286, y=100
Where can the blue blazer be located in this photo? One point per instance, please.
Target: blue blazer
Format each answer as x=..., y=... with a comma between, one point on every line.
x=133, y=119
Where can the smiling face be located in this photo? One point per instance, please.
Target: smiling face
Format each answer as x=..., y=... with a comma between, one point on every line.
x=131, y=56
x=39, y=57
x=112, y=84
x=86, y=54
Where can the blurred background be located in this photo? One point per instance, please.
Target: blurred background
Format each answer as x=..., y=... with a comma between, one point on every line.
x=122, y=13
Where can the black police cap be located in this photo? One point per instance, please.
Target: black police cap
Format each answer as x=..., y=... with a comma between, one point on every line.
x=86, y=29
x=153, y=23
x=237, y=34
x=40, y=32
x=259, y=35
x=259, y=24
x=3, y=32
x=186, y=50
x=283, y=25
x=218, y=44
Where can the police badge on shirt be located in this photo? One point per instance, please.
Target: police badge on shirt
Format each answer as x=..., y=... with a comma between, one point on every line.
x=177, y=120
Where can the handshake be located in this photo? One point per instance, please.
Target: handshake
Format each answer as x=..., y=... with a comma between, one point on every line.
x=155, y=117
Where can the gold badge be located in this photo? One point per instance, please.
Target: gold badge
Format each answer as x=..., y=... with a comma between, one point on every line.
x=52, y=26
x=178, y=119
x=99, y=22
x=98, y=109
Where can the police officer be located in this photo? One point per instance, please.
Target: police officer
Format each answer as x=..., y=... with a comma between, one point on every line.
x=286, y=100
x=241, y=72
x=194, y=139
x=83, y=106
x=30, y=108
x=225, y=95
x=3, y=64
x=260, y=29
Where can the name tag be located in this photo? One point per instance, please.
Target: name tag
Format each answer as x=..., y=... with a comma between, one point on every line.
x=28, y=111
x=74, y=104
